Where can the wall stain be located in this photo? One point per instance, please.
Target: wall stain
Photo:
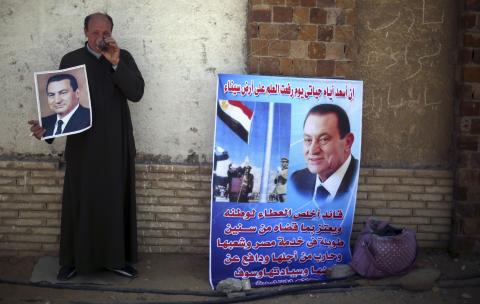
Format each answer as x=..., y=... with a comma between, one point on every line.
x=5, y=15
x=204, y=54
x=192, y=157
x=211, y=70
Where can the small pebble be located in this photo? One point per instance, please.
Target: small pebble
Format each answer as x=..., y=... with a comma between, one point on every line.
x=246, y=284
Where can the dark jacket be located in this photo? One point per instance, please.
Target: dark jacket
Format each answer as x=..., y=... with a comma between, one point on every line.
x=79, y=120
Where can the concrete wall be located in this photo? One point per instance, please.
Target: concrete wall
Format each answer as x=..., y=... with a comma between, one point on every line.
x=179, y=46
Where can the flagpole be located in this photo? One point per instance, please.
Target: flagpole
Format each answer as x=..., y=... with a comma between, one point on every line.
x=268, y=153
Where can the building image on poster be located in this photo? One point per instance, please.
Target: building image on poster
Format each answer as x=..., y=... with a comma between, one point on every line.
x=286, y=166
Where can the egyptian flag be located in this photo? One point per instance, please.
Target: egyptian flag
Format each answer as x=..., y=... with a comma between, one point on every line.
x=237, y=116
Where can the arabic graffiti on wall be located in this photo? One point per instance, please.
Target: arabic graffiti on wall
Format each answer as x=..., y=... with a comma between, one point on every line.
x=406, y=59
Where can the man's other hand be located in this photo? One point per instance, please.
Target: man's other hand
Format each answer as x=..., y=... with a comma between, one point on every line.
x=36, y=129
x=112, y=53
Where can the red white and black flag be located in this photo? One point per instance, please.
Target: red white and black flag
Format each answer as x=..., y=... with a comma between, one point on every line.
x=237, y=116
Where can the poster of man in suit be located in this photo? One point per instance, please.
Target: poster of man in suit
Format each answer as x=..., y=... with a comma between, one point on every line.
x=327, y=151
x=297, y=220
x=63, y=101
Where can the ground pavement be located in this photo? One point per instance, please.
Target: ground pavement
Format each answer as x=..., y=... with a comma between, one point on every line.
x=176, y=278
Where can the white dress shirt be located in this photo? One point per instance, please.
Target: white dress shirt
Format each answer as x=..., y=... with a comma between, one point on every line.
x=65, y=120
x=332, y=183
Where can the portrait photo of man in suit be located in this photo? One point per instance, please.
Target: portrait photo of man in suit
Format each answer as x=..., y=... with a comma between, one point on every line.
x=63, y=97
x=331, y=168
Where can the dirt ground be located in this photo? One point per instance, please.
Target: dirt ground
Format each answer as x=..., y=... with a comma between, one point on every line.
x=187, y=274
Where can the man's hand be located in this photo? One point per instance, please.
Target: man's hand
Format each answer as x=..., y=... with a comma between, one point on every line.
x=112, y=54
x=37, y=131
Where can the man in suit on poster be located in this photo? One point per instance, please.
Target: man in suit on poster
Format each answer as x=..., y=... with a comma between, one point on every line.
x=63, y=99
x=331, y=167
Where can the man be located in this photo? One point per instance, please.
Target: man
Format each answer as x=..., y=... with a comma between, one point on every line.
x=234, y=182
x=219, y=182
x=281, y=181
x=63, y=98
x=240, y=183
x=98, y=228
x=327, y=143
x=247, y=185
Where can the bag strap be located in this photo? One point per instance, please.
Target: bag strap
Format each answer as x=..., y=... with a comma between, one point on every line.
x=374, y=225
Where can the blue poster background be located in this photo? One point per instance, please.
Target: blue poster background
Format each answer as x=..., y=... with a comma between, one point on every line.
x=262, y=239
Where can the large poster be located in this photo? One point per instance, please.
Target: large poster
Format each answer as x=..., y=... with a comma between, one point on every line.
x=285, y=176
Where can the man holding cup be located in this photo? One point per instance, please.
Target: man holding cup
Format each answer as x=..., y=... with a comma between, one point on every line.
x=98, y=226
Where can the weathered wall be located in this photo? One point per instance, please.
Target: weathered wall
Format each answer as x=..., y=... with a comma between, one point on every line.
x=406, y=52
x=179, y=46
x=173, y=205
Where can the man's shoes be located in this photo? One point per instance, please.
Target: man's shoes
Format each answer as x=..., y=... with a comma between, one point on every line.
x=127, y=271
x=66, y=273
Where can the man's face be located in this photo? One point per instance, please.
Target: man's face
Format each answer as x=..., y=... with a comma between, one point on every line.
x=98, y=28
x=284, y=164
x=323, y=149
x=61, y=97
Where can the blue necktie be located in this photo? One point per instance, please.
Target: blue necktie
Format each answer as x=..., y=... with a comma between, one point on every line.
x=322, y=194
x=59, y=127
